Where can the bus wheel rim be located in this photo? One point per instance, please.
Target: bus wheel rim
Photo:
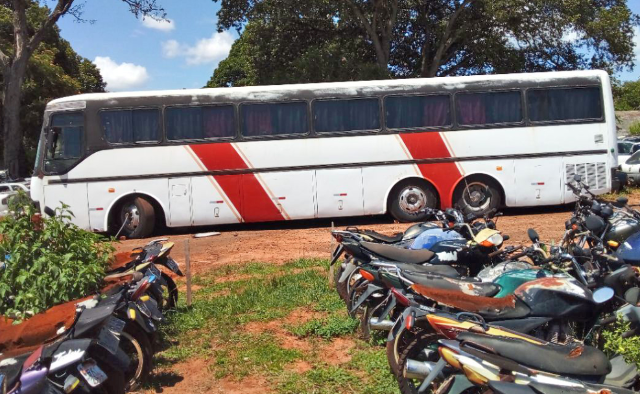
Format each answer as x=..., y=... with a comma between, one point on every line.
x=134, y=216
x=473, y=194
x=412, y=199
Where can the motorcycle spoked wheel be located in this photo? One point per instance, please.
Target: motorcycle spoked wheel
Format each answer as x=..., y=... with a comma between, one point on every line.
x=395, y=348
x=414, y=350
x=135, y=343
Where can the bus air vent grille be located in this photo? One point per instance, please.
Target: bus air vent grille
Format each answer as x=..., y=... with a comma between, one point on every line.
x=593, y=174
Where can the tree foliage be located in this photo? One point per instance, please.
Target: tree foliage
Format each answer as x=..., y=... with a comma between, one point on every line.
x=46, y=261
x=410, y=38
x=54, y=70
x=627, y=96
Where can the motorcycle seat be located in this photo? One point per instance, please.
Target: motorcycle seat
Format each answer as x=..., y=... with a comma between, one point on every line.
x=574, y=360
x=490, y=308
x=38, y=329
x=443, y=270
x=389, y=239
x=394, y=253
x=465, y=286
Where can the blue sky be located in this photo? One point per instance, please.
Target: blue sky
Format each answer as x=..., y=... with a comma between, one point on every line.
x=133, y=54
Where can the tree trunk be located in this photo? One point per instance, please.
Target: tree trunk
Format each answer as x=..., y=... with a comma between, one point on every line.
x=12, y=92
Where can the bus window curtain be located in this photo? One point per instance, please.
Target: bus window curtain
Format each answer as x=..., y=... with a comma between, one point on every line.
x=471, y=109
x=145, y=125
x=218, y=122
x=347, y=115
x=117, y=126
x=184, y=123
x=436, y=113
x=257, y=121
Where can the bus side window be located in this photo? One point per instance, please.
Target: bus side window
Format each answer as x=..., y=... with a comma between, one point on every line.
x=130, y=126
x=417, y=111
x=274, y=119
x=489, y=108
x=561, y=104
x=346, y=115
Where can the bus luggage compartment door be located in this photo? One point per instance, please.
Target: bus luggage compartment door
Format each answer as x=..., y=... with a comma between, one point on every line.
x=180, y=202
x=339, y=192
x=537, y=181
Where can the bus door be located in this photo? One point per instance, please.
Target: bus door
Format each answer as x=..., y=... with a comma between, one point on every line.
x=180, y=202
x=339, y=192
x=538, y=181
x=72, y=194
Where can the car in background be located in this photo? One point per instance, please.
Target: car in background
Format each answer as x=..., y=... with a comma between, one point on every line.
x=627, y=147
x=7, y=190
x=632, y=168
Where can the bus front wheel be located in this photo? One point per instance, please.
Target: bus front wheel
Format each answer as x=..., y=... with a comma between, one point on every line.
x=409, y=197
x=136, y=218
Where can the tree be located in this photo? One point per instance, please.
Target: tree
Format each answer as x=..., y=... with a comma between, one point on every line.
x=14, y=61
x=53, y=70
x=626, y=96
x=415, y=38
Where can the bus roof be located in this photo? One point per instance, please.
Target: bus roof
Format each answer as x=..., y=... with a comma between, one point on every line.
x=330, y=87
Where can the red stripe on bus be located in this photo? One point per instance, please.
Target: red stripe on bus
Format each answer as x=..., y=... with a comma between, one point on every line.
x=257, y=205
x=444, y=176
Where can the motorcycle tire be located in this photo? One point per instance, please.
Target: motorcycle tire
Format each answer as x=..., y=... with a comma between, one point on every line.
x=135, y=343
x=341, y=288
x=395, y=348
x=414, y=350
x=171, y=300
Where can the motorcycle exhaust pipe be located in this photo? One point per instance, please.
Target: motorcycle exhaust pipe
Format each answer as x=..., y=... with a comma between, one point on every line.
x=414, y=369
x=382, y=325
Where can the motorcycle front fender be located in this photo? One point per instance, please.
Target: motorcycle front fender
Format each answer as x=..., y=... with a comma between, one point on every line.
x=371, y=288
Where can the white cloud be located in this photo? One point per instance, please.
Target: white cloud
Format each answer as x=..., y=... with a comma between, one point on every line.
x=123, y=76
x=205, y=51
x=162, y=25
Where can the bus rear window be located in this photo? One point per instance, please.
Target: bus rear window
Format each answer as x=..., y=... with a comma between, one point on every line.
x=346, y=115
x=417, y=111
x=202, y=122
x=564, y=104
x=488, y=108
x=131, y=126
x=274, y=119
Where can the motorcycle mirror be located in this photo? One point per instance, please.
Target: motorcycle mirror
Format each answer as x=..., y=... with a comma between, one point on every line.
x=622, y=200
x=577, y=178
x=533, y=235
x=603, y=294
x=505, y=237
x=632, y=296
x=50, y=212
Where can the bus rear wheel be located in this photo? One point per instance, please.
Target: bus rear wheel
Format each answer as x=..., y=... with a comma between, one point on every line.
x=136, y=218
x=409, y=197
x=477, y=195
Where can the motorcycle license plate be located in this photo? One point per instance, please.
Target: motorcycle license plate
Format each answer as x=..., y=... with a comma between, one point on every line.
x=109, y=337
x=92, y=373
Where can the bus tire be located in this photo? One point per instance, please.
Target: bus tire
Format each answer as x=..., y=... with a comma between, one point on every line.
x=470, y=196
x=142, y=218
x=409, y=197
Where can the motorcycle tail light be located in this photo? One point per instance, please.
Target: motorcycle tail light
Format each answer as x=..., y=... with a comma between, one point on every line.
x=367, y=275
x=142, y=287
x=338, y=237
x=409, y=322
x=613, y=244
x=401, y=298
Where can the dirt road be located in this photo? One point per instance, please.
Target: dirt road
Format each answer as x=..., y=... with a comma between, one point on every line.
x=277, y=243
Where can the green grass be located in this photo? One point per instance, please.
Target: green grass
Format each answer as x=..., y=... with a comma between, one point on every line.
x=213, y=329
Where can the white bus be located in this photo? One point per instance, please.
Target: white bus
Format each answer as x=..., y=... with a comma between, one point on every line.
x=268, y=153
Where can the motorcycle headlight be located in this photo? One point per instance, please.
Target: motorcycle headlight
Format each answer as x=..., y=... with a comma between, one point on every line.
x=494, y=240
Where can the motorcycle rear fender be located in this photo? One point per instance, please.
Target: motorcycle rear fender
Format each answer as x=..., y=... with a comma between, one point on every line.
x=371, y=288
x=347, y=271
x=141, y=320
x=91, y=318
x=68, y=353
x=171, y=267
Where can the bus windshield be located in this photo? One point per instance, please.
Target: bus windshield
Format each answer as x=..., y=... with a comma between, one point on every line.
x=63, y=142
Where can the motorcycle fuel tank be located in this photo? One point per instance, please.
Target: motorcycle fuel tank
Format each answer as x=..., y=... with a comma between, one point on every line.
x=557, y=297
x=629, y=250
